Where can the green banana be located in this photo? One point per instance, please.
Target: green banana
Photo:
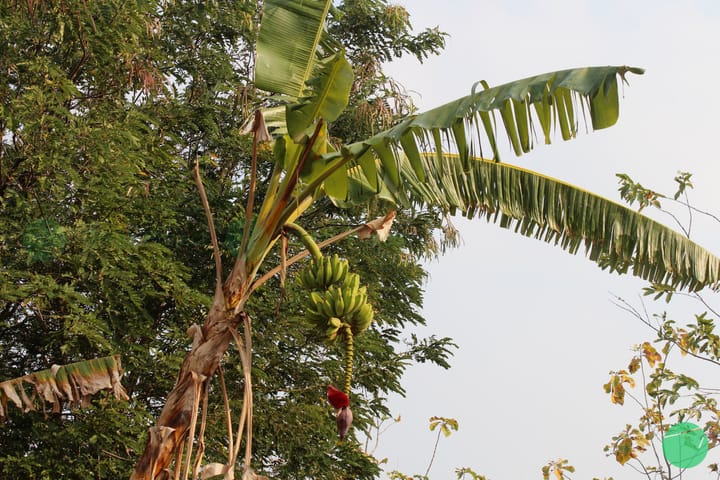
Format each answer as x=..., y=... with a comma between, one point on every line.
x=348, y=299
x=362, y=319
x=327, y=271
x=339, y=268
x=328, y=308
x=338, y=302
x=334, y=269
x=331, y=333
x=350, y=290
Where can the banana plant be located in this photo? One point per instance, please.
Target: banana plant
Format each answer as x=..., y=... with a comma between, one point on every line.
x=434, y=158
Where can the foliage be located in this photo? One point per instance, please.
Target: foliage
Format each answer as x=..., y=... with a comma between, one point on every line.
x=558, y=469
x=444, y=426
x=103, y=244
x=106, y=109
x=666, y=396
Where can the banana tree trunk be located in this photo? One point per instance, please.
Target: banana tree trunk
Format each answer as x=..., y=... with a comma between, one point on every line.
x=166, y=438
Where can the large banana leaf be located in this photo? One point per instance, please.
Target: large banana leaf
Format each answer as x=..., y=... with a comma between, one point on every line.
x=326, y=98
x=556, y=212
x=552, y=100
x=287, y=45
x=74, y=383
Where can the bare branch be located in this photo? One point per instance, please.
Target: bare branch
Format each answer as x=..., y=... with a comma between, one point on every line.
x=211, y=226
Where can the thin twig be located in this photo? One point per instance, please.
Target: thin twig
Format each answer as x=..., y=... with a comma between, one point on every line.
x=697, y=210
x=677, y=221
x=228, y=415
x=211, y=226
x=690, y=214
x=702, y=300
x=647, y=406
x=432, y=459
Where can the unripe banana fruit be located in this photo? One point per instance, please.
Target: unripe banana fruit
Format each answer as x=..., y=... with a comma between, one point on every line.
x=362, y=319
x=337, y=305
x=324, y=271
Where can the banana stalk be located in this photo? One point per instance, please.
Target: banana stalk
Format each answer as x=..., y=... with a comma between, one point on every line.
x=305, y=238
x=349, y=353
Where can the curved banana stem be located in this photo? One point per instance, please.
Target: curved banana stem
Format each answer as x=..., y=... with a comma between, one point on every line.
x=296, y=258
x=305, y=238
x=349, y=354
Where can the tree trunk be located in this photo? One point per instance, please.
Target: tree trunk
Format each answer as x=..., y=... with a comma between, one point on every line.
x=209, y=346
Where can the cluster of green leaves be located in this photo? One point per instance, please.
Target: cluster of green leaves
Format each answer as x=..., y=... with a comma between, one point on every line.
x=377, y=31
x=104, y=109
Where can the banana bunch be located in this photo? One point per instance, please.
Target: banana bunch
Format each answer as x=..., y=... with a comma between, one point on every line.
x=324, y=271
x=339, y=307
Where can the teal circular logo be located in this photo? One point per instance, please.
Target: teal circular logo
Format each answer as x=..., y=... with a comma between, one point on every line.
x=685, y=445
x=43, y=239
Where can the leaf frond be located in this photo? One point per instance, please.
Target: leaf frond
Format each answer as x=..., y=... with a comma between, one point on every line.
x=614, y=236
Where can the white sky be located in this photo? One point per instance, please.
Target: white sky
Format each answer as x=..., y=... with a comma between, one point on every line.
x=537, y=331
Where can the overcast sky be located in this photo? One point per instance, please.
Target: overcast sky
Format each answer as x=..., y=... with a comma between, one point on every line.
x=537, y=329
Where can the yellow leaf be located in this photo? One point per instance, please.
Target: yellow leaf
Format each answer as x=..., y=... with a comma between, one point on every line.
x=623, y=452
x=634, y=365
x=618, y=394
x=651, y=355
x=629, y=380
x=684, y=344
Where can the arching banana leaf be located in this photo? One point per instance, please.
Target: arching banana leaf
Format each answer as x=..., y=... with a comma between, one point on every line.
x=74, y=383
x=614, y=236
x=299, y=60
x=555, y=100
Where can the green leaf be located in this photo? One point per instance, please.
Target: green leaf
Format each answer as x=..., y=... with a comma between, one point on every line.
x=327, y=96
x=369, y=169
x=534, y=205
x=555, y=95
x=284, y=66
x=336, y=185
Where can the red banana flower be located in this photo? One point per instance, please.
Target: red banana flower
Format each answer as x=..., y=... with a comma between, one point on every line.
x=337, y=398
x=344, y=420
x=341, y=402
